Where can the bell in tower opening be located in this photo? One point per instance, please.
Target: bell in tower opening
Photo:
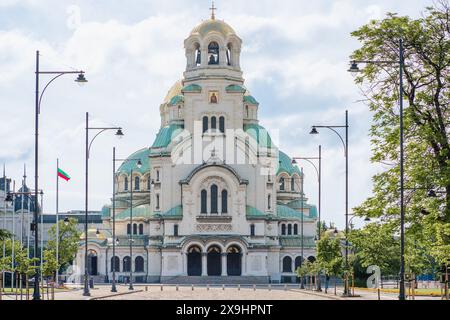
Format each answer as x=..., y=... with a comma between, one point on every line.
x=213, y=53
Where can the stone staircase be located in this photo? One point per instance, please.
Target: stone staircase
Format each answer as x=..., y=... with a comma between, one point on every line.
x=212, y=280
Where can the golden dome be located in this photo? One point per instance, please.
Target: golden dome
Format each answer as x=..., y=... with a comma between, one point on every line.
x=94, y=234
x=212, y=25
x=175, y=90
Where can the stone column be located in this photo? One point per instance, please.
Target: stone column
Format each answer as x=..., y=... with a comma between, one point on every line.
x=224, y=264
x=204, y=264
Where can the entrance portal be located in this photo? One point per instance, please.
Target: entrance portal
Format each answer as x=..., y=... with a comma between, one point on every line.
x=92, y=263
x=194, y=261
x=234, y=264
x=214, y=261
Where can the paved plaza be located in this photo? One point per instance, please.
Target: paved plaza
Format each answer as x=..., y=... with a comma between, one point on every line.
x=154, y=292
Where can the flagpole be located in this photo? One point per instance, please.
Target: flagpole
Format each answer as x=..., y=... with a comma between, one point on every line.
x=42, y=234
x=21, y=203
x=4, y=216
x=57, y=222
x=13, y=236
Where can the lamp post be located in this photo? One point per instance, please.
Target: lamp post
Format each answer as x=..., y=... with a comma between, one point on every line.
x=319, y=178
x=38, y=98
x=138, y=165
x=400, y=62
x=119, y=134
x=345, y=145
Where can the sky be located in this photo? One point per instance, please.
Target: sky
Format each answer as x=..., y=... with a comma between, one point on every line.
x=295, y=56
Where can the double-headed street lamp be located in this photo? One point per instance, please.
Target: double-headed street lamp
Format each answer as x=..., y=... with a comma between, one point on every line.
x=138, y=165
x=100, y=130
x=345, y=145
x=401, y=63
x=38, y=98
x=318, y=171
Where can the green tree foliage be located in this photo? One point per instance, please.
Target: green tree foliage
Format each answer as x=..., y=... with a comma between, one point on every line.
x=50, y=264
x=69, y=238
x=4, y=234
x=329, y=255
x=24, y=264
x=426, y=122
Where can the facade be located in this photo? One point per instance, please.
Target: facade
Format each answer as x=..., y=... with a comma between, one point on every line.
x=214, y=197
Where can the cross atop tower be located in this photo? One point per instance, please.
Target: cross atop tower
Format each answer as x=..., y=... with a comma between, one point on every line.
x=213, y=9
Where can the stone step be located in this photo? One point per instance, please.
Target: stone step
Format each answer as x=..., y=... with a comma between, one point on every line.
x=212, y=280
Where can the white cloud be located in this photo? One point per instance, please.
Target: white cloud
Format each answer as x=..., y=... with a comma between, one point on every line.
x=299, y=47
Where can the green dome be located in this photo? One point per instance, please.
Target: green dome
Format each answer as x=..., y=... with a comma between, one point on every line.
x=297, y=204
x=260, y=134
x=166, y=135
x=143, y=155
x=235, y=88
x=250, y=100
x=192, y=88
x=288, y=213
x=140, y=211
x=176, y=100
x=285, y=165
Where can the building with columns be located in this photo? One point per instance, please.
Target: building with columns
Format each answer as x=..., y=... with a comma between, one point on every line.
x=214, y=199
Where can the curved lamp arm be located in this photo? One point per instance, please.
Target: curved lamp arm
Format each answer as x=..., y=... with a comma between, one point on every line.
x=90, y=143
x=340, y=137
x=42, y=93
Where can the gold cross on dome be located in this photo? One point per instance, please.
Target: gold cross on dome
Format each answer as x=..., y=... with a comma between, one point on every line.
x=213, y=9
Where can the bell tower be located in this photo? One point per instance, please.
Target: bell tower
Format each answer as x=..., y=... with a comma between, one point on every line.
x=213, y=49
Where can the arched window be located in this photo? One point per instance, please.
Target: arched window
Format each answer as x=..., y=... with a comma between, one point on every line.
x=246, y=112
x=149, y=183
x=214, y=194
x=157, y=175
x=139, y=264
x=287, y=264
x=126, y=264
x=198, y=55
x=134, y=228
x=203, y=196
x=295, y=229
x=128, y=228
x=137, y=181
x=213, y=53
x=222, y=124
x=175, y=230
x=283, y=229
x=213, y=123
x=180, y=113
x=252, y=230
x=269, y=201
x=224, y=201
x=157, y=202
x=141, y=228
x=229, y=54
x=115, y=264
x=125, y=184
x=205, y=124
x=282, y=184
x=289, y=229
x=293, y=184
x=298, y=262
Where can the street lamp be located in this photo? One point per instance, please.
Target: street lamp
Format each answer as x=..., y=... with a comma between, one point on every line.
x=38, y=99
x=116, y=241
x=318, y=171
x=119, y=134
x=345, y=145
x=354, y=68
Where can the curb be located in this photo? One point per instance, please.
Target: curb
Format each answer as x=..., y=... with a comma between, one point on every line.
x=333, y=297
x=115, y=295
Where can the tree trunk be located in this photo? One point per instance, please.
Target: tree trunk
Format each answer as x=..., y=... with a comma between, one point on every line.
x=335, y=286
x=27, y=287
x=21, y=286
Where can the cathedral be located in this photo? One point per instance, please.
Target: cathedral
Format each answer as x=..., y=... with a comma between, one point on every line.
x=212, y=199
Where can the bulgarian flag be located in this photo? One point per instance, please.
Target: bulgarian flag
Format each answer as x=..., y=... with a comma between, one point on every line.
x=63, y=175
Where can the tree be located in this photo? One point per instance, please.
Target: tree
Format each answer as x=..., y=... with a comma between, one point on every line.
x=426, y=124
x=50, y=264
x=4, y=234
x=329, y=256
x=24, y=267
x=69, y=238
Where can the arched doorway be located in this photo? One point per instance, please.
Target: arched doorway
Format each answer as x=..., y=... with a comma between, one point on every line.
x=214, y=261
x=194, y=261
x=287, y=264
x=92, y=263
x=234, y=261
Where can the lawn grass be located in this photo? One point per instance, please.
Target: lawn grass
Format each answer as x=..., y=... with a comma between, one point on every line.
x=434, y=292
